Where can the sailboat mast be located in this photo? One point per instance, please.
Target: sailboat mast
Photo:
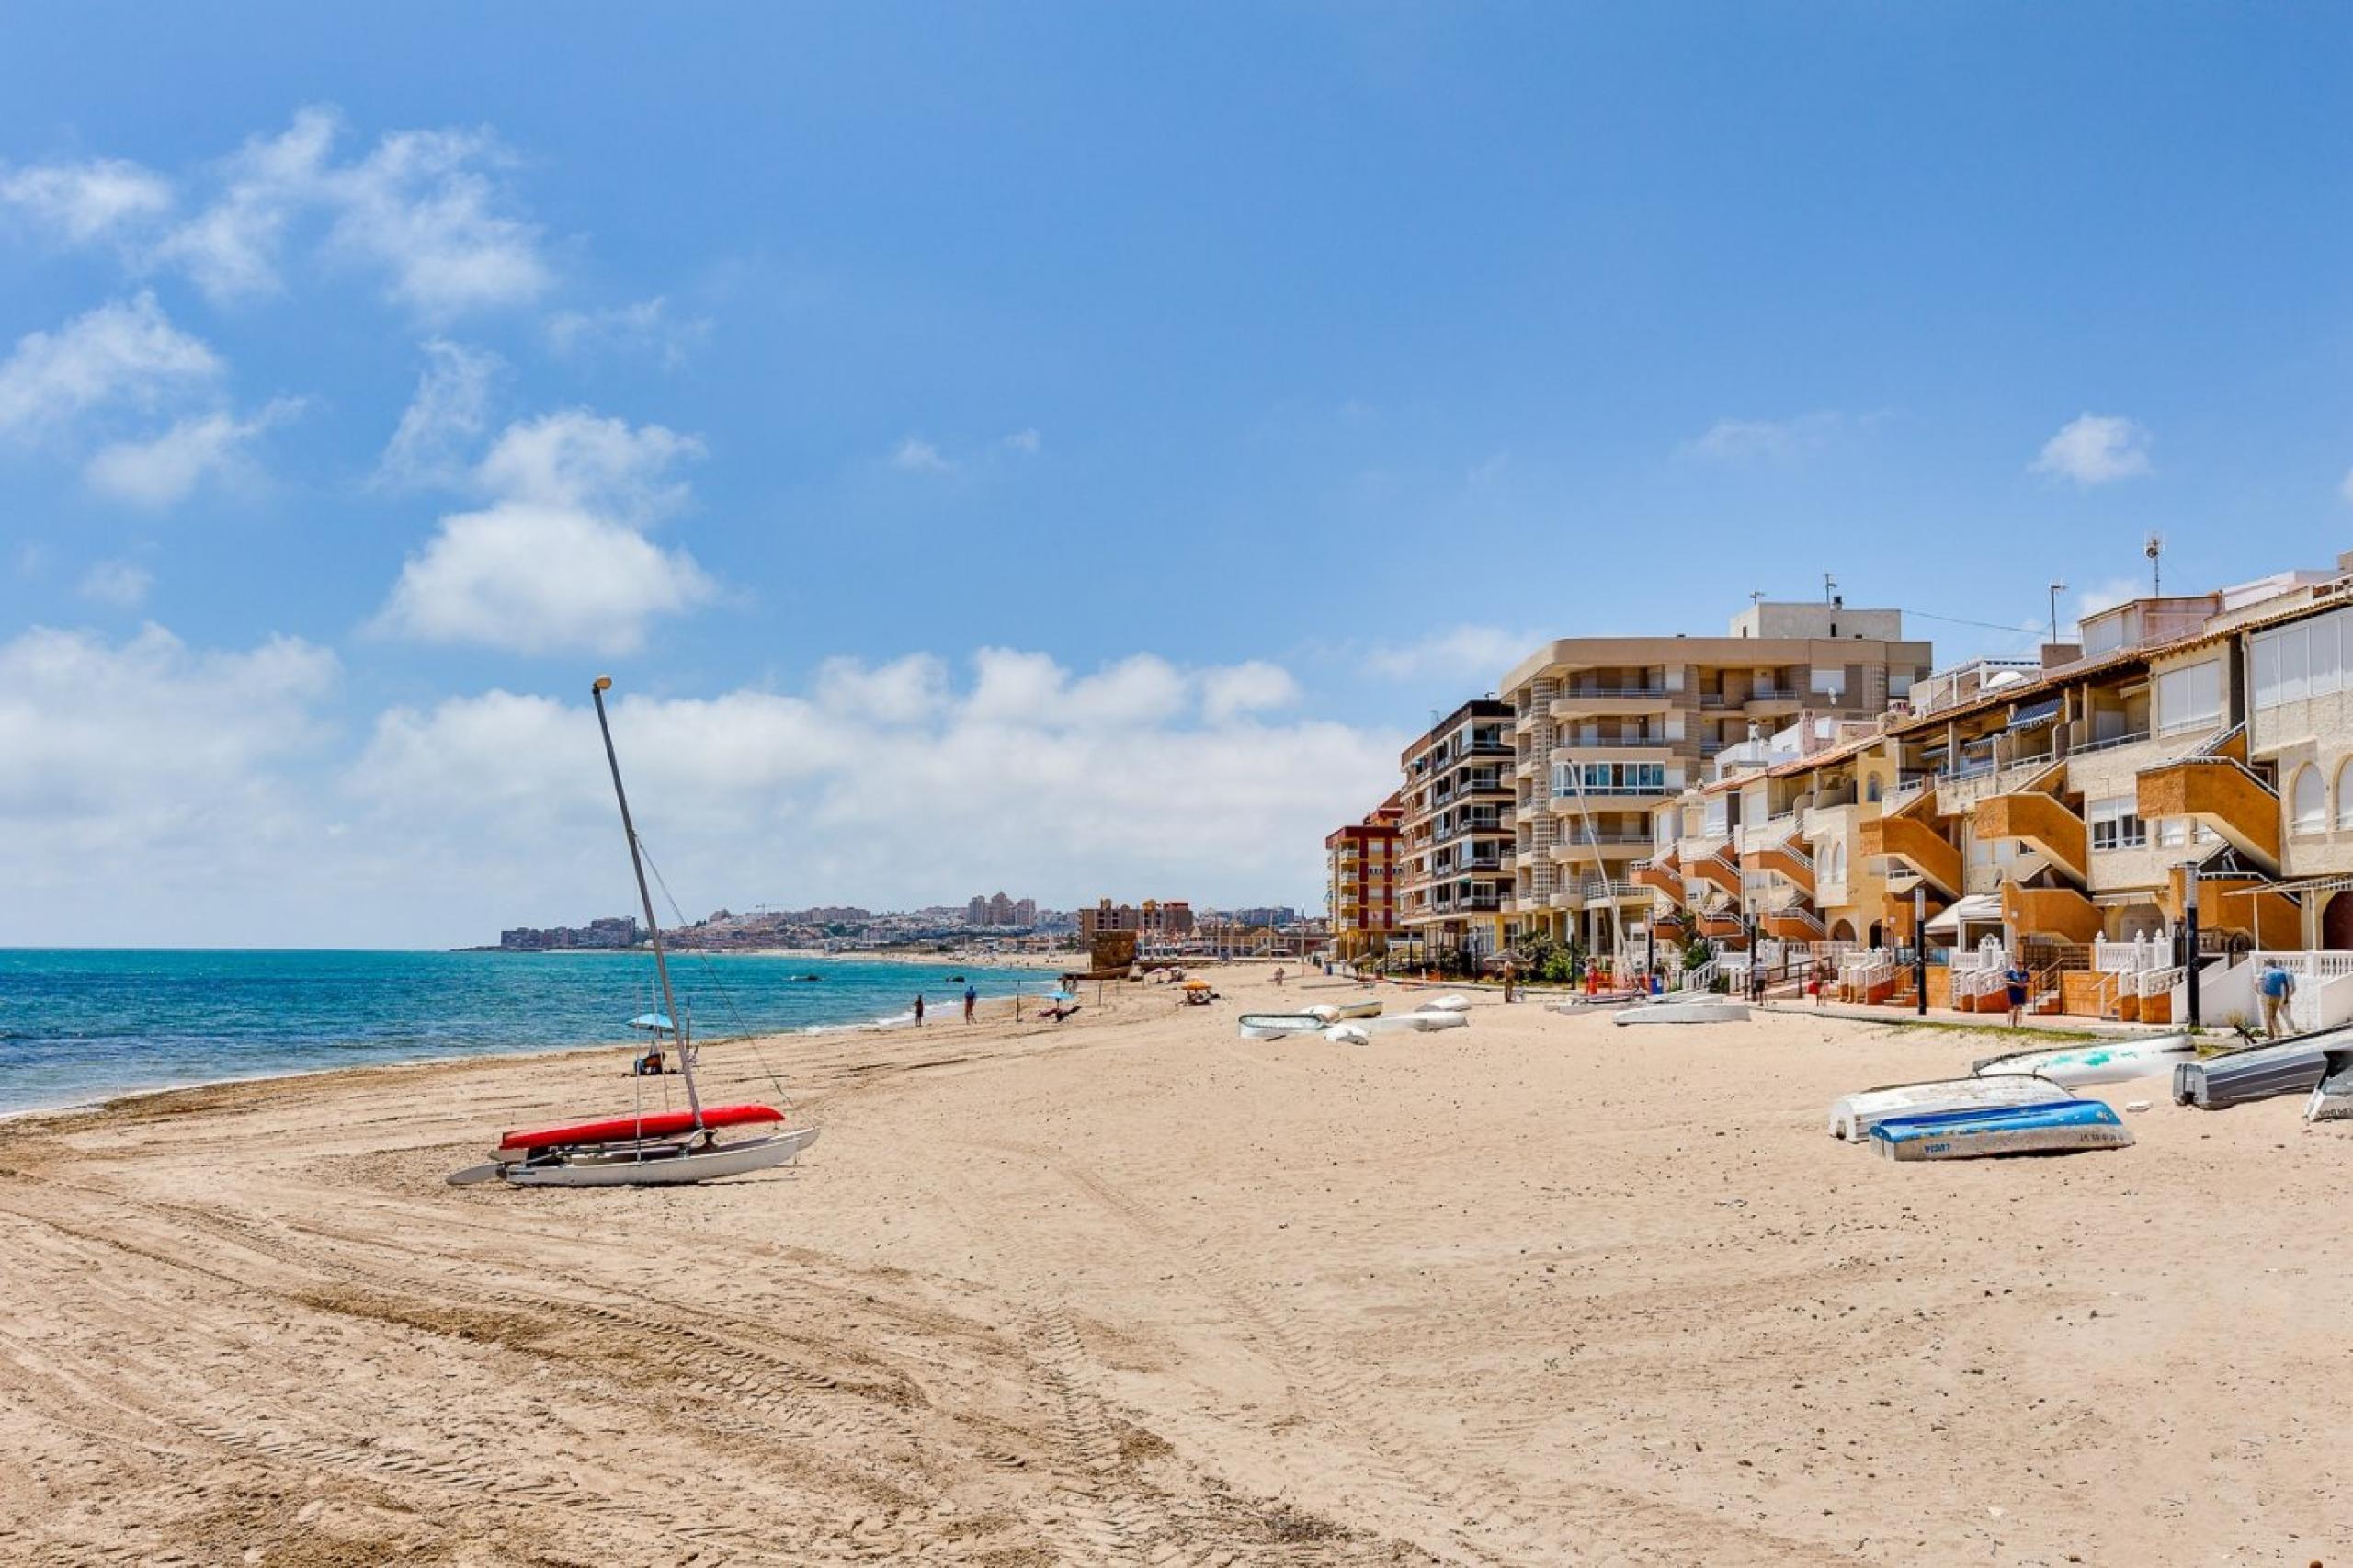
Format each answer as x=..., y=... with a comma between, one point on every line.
x=646, y=897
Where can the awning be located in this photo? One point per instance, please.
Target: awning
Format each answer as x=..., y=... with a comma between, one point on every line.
x=2034, y=713
x=1977, y=909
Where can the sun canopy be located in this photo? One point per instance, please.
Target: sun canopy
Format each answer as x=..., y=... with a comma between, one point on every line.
x=1977, y=909
x=1197, y=985
x=659, y=1022
x=2035, y=713
x=1061, y=996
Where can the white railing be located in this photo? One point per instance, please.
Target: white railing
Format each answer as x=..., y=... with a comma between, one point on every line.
x=2111, y=744
x=2307, y=964
x=2151, y=983
x=1702, y=976
x=1976, y=983
x=2131, y=958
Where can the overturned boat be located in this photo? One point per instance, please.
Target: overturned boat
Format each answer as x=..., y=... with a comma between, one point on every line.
x=1673, y=1009
x=1275, y=1026
x=1355, y=1008
x=2333, y=1095
x=2101, y=1062
x=1852, y=1117
x=2258, y=1072
x=2058, y=1127
x=1421, y=1021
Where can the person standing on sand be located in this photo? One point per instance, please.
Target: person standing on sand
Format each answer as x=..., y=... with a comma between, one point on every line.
x=1278, y=975
x=918, y=1012
x=2017, y=979
x=972, y=1000
x=1508, y=974
x=2277, y=987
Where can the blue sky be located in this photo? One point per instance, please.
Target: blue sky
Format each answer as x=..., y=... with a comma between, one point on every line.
x=1248, y=380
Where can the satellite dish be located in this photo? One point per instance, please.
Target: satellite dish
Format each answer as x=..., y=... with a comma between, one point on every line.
x=2004, y=677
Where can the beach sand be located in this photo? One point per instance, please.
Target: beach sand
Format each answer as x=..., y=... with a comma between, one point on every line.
x=1132, y=1291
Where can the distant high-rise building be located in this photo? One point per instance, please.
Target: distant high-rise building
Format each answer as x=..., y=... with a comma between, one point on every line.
x=976, y=913
x=1364, y=866
x=1025, y=911
x=1156, y=917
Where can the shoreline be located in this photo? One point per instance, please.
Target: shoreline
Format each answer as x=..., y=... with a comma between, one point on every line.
x=129, y=1095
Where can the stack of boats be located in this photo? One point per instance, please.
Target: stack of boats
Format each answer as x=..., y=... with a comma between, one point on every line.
x=2021, y=1103
x=1358, y=1020
x=2024, y=1103
x=1684, y=1008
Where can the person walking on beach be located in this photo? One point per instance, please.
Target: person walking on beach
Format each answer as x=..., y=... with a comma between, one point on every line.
x=918, y=1012
x=1509, y=976
x=2016, y=979
x=2277, y=987
x=972, y=1000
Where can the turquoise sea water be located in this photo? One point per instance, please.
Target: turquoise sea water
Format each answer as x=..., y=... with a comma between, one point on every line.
x=78, y=1025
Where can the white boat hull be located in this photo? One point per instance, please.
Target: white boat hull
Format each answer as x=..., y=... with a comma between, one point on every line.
x=667, y=1166
x=1852, y=1117
x=1277, y=1026
x=1416, y=1022
x=2116, y=1061
x=1718, y=1011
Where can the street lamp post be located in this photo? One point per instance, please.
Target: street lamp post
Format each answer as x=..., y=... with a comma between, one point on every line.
x=1920, y=950
x=2189, y=935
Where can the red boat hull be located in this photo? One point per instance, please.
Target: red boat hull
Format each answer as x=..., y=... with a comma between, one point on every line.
x=635, y=1129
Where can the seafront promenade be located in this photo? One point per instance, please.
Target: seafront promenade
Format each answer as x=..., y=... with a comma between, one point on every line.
x=1132, y=1291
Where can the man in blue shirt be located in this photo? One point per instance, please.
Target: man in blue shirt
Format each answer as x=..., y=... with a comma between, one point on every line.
x=2277, y=987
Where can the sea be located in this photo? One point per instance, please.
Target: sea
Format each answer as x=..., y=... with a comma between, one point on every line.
x=82, y=1025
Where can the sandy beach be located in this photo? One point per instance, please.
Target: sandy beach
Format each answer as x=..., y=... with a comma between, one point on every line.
x=1132, y=1291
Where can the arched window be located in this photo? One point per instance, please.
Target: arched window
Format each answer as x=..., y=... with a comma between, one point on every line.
x=2311, y=811
x=1870, y=791
x=2345, y=794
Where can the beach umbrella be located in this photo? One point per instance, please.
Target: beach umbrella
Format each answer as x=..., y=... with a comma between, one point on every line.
x=1062, y=996
x=1197, y=985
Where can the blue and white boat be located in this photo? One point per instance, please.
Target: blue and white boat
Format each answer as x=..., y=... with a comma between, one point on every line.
x=2058, y=1127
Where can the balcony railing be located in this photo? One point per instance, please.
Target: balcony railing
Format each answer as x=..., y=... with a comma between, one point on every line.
x=2111, y=744
x=1611, y=742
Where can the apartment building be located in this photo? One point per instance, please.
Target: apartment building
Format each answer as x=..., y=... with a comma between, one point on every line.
x=1455, y=830
x=2058, y=811
x=1607, y=729
x=1362, y=863
x=1154, y=917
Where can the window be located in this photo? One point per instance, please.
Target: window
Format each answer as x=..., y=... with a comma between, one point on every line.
x=2266, y=672
x=2312, y=814
x=2116, y=824
x=2173, y=833
x=2345, y=795
x=1830, y=682
x=2293, y=685
x=2191, y=698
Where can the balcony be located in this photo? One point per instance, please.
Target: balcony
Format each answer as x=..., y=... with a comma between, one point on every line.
x=2239, y=901
x=1771, y=701
x=2044, y=822
x=1610, y=702
x=1721, y=926
x=1919, y=847
x=1568, y=748
x=2221, y=793
x=2061, y=913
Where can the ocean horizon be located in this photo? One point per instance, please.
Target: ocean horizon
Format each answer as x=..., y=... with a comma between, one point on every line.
x=83, y=1025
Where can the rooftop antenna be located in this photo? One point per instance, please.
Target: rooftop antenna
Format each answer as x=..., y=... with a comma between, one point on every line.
x=2056, y=589
x=1829, y=587
x=2154, y=548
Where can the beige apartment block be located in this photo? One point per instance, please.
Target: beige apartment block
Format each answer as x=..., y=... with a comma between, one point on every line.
x=1606, y=730
x=1456, y=831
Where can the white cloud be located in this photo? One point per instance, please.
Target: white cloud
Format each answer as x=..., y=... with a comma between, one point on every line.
x=2345, y=489
x=905, y=691
x=1025, y=442
x=541, y=579
x=131, y=749
x=915, y=456
x=91, y=201
x=1252, y=688
x=445, y=418
x=1763, y=440
x=575, y=458
x=2096, y=449
x=424, y=208
x=648, y=327
x=162, y=470
x=556, y=562
x=118, y=583
x=125, y=351
x=1481, y=653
